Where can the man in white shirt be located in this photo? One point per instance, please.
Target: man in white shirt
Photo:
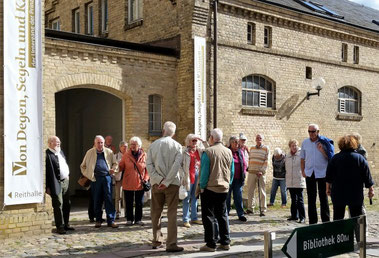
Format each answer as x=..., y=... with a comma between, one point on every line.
x=163, y=165
x=57, y=182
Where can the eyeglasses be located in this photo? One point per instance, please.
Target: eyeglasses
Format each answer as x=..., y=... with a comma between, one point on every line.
x=311, y=131
x=194, y=140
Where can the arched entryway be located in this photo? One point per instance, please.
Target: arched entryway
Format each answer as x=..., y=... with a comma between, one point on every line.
x=81, y=114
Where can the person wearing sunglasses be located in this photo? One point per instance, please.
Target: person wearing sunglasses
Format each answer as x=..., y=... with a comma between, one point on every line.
x=315, y=153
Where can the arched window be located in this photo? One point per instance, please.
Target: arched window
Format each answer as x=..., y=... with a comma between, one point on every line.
x=257, y=91
x=155, y=114
x=349, y=100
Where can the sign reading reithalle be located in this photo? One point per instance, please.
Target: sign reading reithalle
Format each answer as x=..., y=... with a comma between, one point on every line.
x=200, y=91
x=23, y=171
x=324, y=240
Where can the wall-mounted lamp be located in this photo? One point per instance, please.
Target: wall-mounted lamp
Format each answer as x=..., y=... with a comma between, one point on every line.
x=317, y=85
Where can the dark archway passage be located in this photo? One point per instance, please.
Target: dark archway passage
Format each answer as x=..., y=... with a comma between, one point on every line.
x=81, y=114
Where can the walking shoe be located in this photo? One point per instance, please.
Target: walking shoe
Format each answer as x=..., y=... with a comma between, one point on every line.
x=130, y=223
x=206, y=248
x=262, y=214
x=283, y=205
x=97, y=224
x=249, y=212
x=92, y=220
x=67, y=228
x=224, y=247
x=270, y=204
x=174, y=249
x=186, y=225
x=61, y=231
x=301, y=221
x=198, y=222
x=140, y=223
x=242, y=218
x=113, y=225
x=290, y=218
x=157, y=245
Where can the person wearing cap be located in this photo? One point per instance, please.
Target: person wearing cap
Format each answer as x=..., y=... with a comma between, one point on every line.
x=242, y=140
x=279, y=177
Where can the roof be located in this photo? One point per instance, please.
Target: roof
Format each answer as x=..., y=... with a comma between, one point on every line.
x=353, y=14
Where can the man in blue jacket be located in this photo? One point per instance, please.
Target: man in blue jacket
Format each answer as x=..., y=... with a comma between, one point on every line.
x=315, y=154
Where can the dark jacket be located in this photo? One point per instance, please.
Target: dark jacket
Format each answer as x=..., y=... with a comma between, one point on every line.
x=53, y=172
x=279, y=167
x=348, y=171
x=242, y=164
x=328, y=145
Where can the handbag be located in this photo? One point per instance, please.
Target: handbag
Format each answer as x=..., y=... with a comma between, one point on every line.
x=84, y=181
x=183, y=193
x=145, y=184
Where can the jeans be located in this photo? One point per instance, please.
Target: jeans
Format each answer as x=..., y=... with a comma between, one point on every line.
x=312, y=185
x=214, y=209
x=102, y=190
x=191, y=197
x=297, y=203
x=130, y=198
x=236, y=188
x=274, y=188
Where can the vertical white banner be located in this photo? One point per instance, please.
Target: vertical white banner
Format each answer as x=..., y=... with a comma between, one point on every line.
x=200, y=87
x=23, y=171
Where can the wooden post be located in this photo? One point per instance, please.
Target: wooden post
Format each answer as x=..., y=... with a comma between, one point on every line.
x=362, y=236
x=268, y=237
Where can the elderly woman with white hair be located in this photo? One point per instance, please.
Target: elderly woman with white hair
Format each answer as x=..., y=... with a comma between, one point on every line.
x=190, y=168
x=279, y=177
x=133, y=163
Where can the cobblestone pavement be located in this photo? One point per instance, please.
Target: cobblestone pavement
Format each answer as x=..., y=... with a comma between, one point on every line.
x=134, y=241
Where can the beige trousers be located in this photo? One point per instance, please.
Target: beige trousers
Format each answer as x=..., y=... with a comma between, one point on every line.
x=118, y=197
x=170, y=196
x=252, y=183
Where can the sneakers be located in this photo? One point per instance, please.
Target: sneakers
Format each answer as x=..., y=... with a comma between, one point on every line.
x=301, y=221
x=198, y=222
x=113, y=225
x=174, y=249
x=206, y=248
x=186, y=225
x=242, y=218
x=224, y=247
x=140, y=223
x=129, y=223
x=157, y=245
x=97, y=224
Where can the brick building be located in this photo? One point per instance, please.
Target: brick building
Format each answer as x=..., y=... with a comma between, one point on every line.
x=270, y=54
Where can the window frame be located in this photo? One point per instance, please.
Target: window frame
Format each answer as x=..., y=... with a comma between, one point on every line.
x=341, y=104
x=138, y=12
x=267, y=36
x=263, y=95
x=155, y=115
x=56, y=22
x=251, y=29
x=356, y=54
x=76, y=20
x=104, y=10
x=90, y=27
x=344, y=49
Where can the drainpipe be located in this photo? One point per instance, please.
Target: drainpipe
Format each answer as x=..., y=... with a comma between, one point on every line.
x=215, y=4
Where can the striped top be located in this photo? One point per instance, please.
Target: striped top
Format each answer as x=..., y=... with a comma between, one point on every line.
x=258, y=158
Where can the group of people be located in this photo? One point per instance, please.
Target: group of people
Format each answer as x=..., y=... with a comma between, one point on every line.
x=213, y=172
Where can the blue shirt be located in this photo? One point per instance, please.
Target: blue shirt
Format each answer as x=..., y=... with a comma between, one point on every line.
x=101, y=168
x=314, y=160
x=205, y=167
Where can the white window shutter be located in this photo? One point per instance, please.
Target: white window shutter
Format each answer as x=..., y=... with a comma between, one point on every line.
x=263, y=99
x=342, y=106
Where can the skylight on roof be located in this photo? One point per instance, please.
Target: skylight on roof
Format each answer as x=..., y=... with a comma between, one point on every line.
x=319, y=8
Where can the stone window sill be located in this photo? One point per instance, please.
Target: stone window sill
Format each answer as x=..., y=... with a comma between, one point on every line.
x=133, y=24
x=349, y=117
x=251, y=111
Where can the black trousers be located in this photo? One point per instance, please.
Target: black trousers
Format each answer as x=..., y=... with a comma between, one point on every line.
x=130, y=198
x=355, y=211
x=314, y=184
x=213, y=212
x=297, y=203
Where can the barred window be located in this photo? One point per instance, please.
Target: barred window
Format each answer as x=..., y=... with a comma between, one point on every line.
x=257, y=91
x=155, y=114
x=349, y=100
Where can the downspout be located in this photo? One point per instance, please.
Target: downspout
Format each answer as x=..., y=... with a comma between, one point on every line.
x=215, y=5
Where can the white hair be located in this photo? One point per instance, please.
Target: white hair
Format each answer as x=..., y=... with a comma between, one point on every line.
x=278, y=151
x=261, y=135
x=169, y=128
x=217, y=134
x=122, y=143
x=315, y=126
x=137, y=140
x=98, y=136
x=189, y=138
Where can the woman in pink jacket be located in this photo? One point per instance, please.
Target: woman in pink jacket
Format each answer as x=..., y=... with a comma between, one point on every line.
x=133, y=163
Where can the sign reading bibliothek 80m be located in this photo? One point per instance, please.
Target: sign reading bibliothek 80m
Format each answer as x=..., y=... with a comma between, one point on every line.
x=324, y=240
